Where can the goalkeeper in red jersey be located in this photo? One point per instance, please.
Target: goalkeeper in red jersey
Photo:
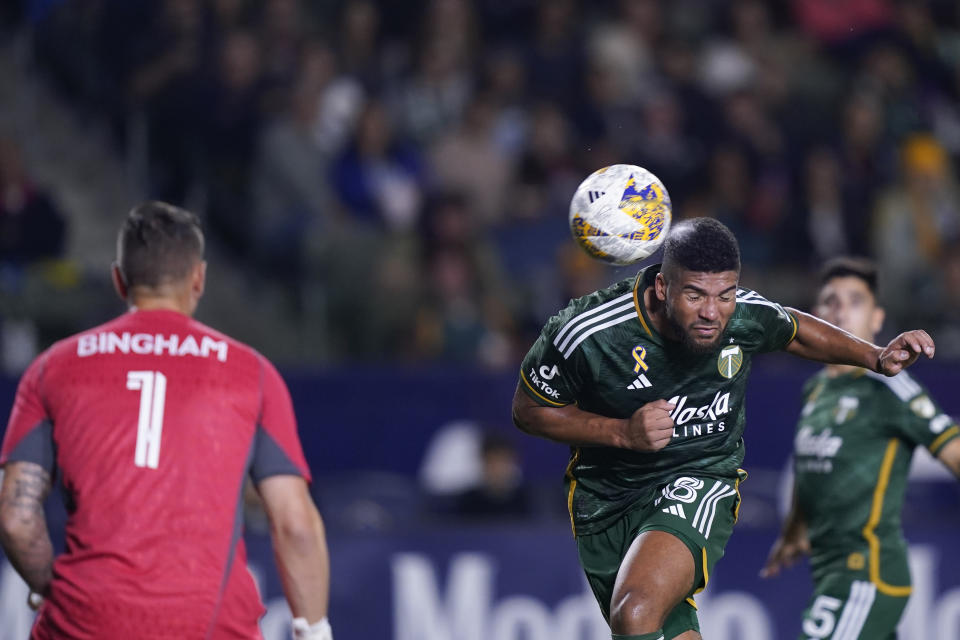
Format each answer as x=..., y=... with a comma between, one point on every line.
x=152, y=423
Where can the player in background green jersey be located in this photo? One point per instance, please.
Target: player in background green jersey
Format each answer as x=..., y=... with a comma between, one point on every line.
x=852, y=451
x=645, y=380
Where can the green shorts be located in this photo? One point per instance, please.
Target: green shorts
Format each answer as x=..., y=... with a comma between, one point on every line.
x=850, y=607
x=699, y=511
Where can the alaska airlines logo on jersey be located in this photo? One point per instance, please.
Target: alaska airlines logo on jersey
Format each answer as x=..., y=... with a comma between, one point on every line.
x=821, y=445
x=730, y=361
x=639, y=354
x=846, y=408
x=815, y=451
x=150, y=343
x=709, y=414
x=541, y=383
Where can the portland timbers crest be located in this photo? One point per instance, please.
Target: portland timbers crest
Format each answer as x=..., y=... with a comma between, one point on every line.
x=730, y=360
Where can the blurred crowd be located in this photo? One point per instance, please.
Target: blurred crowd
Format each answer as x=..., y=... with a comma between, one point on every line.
x=402, y=169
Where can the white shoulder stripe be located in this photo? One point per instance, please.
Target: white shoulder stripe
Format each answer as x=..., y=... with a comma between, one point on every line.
x=911, y=384
x=902, y=385
x=750, y=297
x=586, y=314
x=908, y=386
x=627, y=316
x=584, y=326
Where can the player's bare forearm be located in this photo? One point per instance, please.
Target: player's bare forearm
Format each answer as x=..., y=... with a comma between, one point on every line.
x=823, y=342
x=569, y=425
x=304, y=565
x=299, y=545
x=23, y=526
x=949, y=455
x=794, y=525
x=650, y=428
x=792, y=544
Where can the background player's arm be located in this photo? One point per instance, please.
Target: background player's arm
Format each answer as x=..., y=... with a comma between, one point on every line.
x=299, y=545
x=792, y=544
x=648, y=429
x=950, y=456
x=23, y=525
x=823, y=342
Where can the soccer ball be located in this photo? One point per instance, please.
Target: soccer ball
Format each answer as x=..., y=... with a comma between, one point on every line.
x=620, y=214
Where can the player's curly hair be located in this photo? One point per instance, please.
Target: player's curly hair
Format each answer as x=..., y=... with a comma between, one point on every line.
x=158, y=244
x=701, y=244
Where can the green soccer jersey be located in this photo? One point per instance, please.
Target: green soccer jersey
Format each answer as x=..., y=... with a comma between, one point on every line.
x=603, y=354
x=852, y=453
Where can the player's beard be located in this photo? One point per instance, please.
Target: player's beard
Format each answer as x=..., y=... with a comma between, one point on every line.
x=686, y=335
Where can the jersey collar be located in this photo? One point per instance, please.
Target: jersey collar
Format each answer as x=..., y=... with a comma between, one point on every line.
x=644, y=279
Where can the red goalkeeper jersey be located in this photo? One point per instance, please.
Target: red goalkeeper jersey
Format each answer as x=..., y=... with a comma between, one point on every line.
x=152, y=423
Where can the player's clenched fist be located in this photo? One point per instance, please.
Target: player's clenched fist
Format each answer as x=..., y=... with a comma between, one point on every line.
x=903, y=351
x=650, y=427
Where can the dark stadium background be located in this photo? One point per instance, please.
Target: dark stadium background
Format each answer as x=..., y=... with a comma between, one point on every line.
x=384, y=187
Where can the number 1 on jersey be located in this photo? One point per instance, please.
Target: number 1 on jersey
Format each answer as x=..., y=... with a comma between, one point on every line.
x=153, y=391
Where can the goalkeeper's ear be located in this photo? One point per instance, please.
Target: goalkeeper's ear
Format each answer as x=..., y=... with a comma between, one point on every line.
x=119, y=281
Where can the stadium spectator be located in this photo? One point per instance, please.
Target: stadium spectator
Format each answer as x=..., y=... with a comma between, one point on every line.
x=292, y=201
x=866, y=163
x=230, y=128
x=501, y=493
x=31, y=226
x=503, y=84
x=379, y=177
x=167, y=84
x=468, y=160
x=916, y=218
x=466, y=313
x=826, y=223
x=556, y=54
x=358, y=38
x=944, y=303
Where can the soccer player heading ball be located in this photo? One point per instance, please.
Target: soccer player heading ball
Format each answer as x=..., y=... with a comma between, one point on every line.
x=153, y=422
x=645, y=380
x=852, y=451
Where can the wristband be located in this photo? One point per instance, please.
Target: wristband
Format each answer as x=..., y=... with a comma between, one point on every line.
x=34, y=600
x=303, y=630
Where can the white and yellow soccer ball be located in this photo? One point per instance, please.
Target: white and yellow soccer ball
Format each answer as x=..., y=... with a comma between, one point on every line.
x=620, y=214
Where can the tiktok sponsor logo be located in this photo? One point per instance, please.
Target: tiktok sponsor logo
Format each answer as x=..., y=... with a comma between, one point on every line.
x=709, y=416
x=539, y=382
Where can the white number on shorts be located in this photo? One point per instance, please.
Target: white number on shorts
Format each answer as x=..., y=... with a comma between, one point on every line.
x=153, y=392
x=820, y=621
x=683, y=489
